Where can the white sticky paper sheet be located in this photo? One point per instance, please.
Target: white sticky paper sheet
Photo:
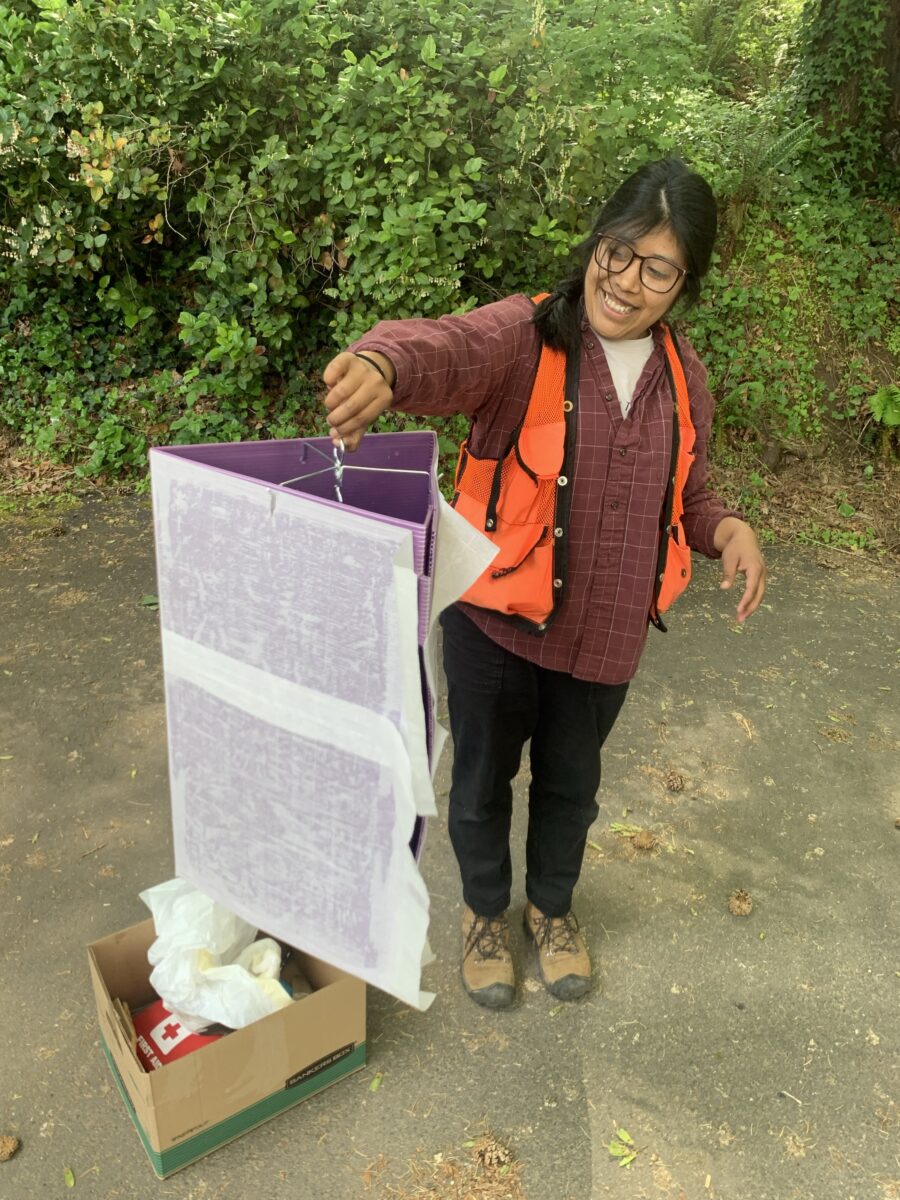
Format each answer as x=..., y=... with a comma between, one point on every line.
x=298, y=758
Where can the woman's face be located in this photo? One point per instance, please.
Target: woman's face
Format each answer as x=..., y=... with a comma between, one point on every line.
x=618, y=304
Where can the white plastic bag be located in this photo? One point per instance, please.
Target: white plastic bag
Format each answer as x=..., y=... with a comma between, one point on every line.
x=207, y=969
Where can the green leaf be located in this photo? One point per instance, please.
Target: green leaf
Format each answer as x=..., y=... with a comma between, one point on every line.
x=885, y=405
x=624, y=1136
x=627, y=1160
x=429, y=49
x=846, y=510
x=497, y=76
x=376, y=1081
x=150, y=601
x=69, y=1176
x=617, y=1150
x=64, y=255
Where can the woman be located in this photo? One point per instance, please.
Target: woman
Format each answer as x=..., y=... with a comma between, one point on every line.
x=576, y=395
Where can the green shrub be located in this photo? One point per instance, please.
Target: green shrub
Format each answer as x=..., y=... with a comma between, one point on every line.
x=201, y=202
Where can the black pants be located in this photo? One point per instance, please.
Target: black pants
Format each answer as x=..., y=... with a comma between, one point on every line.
x=497, y=702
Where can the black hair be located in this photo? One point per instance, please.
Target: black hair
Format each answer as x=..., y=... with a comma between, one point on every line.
x=664, y=194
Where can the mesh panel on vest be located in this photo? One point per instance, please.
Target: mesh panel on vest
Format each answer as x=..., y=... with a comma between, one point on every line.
x=477, y=479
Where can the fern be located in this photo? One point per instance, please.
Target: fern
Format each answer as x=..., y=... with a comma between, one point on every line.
x=885, y=405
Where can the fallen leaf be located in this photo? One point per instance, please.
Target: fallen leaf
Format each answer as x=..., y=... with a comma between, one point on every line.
x=376, y=1082
x=69, y=1176
x=6, y=757
x=744, y=724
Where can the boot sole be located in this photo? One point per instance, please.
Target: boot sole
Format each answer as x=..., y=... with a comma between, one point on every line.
x=496, y=995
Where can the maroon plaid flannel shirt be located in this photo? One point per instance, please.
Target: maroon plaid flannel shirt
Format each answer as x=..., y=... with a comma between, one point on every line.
x=483, y=364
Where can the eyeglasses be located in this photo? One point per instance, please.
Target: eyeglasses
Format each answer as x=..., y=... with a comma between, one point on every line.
x=657, y=274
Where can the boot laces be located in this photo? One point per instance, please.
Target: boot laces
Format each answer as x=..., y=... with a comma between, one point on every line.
x=487, y=937
x=556, y=935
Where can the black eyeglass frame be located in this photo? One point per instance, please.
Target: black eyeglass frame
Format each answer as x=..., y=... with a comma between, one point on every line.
x=642, y=258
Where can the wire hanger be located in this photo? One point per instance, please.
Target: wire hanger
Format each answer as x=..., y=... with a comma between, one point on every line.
x=336, y=464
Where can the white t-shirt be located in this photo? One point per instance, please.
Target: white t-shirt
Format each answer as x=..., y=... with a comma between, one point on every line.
x=627, y=358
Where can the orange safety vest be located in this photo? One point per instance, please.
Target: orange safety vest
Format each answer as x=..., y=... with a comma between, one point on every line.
x=520, y=501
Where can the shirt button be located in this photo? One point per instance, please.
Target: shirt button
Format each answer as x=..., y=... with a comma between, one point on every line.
x=608, y=397
x=614, y=504
x=622, y=451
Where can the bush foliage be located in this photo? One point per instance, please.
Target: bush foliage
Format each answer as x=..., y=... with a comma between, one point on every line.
x=202, y=202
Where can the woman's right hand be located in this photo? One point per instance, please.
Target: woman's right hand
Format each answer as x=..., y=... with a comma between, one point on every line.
x=357, y=395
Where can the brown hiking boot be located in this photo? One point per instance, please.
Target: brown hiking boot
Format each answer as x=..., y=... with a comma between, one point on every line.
x=563, y=959
x=487, y=968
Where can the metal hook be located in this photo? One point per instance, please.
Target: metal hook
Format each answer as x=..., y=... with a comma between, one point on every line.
x=338, y=469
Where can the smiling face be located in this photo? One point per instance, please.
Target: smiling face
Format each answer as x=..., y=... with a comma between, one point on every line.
x=618, y=305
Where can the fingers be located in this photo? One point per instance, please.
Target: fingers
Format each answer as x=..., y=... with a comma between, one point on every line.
x=350, y=442
x=754, y=591
x=754, y=587
x=357, y=395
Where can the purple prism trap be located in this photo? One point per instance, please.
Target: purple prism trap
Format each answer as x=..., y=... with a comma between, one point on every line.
x=300, y=714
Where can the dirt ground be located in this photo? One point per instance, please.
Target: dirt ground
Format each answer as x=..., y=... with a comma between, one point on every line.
x=746, y=1043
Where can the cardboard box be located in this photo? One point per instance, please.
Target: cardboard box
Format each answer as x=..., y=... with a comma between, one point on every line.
x=200, y=1102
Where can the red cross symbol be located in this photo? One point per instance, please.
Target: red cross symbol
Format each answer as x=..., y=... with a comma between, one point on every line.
x=171, y=1030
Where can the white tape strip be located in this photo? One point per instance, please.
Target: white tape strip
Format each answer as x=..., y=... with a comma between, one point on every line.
x=291, y=706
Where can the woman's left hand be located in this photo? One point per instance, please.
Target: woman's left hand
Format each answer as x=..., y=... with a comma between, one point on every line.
x=740, y=551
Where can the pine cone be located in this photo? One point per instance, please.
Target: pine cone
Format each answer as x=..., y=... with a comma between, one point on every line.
x=644, y=840
x=740, y=903
x=491, y=1153
x=8, y=1146
x=675, y=782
